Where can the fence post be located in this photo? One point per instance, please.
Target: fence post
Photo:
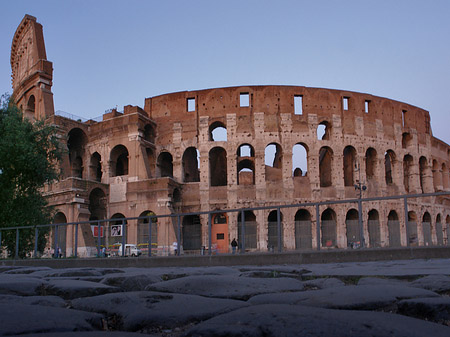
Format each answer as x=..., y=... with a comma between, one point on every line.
x=124, y=239
x=150, y=237
x=178, y=235
x=279, y=229
x=36, y=234
x=17, y=244
x=209, y=234
x=75, y=252
x=318, y=226
x=405, y=203
x=242, y=232
x=361, y=224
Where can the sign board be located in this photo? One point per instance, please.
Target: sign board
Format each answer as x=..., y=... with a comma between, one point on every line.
x=116, y=230
x=94, y=230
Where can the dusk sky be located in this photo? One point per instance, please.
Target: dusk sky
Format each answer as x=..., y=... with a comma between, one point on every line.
x=114, y=53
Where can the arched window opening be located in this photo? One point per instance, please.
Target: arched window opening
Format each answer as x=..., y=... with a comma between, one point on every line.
x=371, y=163
x=445, y=177
x=191, y=165
x=412, y=226
x=245, y=150
x=250, y=229
x=165, y=165
x=424, y=175
x=349, y=165
x=328, y=226
x=394, y=229
x=303, y=232
x=439, y=231
x=219, y=233
x=76, y=143
x=31, y=105
x=218, y=166
x=245, y=165
x=97, y=204
x=143, y=228
x=374, y=228
x=406, y=140
x=323, y=131
x=96, y=167
x=119, y=161
x=299, y=160
x=192, y=233
x=149, y=133
x=218, y=132
x=437, y=176
x=407, y=172
x=272, y=230
x=389, y=159
x=273, y=159
x=426, y=229
x=352, y=226
x=325, y=166
x=116, y=230
x=59, y=235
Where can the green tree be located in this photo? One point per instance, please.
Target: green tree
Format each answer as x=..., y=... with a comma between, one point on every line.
x=29, y=153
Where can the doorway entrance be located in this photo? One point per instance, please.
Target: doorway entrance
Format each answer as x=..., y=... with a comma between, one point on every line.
x=219, y=233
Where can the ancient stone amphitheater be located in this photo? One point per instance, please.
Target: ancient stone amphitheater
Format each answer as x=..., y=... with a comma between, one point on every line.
x=242, y=147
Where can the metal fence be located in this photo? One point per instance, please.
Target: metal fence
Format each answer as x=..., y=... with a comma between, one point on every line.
x=198, y=233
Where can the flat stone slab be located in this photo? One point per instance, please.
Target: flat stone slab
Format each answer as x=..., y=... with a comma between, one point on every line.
x=148, y=311
x=133, y=281
x=324, y=282
x=21, y=285
x=18, y=319
x=377, y=281
x=70, y=289
x=348, y=297
x=232, y=286
x=50, y=301
x=437, y=283
x=296, y=320
x=74, y=272
x=434, y=309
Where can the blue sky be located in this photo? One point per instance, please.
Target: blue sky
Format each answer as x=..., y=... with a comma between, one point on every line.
x=114, y=53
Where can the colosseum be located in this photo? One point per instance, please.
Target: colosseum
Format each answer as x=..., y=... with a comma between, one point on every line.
x=341, y=157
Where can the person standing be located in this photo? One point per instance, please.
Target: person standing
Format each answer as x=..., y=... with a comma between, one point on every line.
x=234, y=245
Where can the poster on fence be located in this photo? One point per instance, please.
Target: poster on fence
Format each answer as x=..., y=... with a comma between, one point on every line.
x=116, y=230
x=94, y=229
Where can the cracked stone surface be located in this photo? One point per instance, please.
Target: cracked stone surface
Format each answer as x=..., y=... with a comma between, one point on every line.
x=386, y=298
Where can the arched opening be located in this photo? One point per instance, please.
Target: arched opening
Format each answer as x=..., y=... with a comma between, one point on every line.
x=371, y=163
x=407, y=172
x=96, y=167
x=245, y=165
x=412, y=228
x=389, y=159
x=426, y=229
x=191, y=165
x=324, y=130
x=272, y=230
x=59, y=235
x=325, y=166
x=76, y=143
x=149, y=133
x=394, y=229
x=303, y=230
x=250, y=229
x=439, y=231
x=437, y=176
x=97, y=204
x=119, y=161
x=352, y=229
x=349, y=165
x=31, y=106
x=217, y=132
x=423, y=173
x=218, y=166
x=445, y=177
x=219, y=232
x=273, y=159
x=299, y=160
x=406, y=140
x=192, y=233
x=374, y=228
x=328, y=227
x=117, y=229
x=143, y=229
x=164, y=165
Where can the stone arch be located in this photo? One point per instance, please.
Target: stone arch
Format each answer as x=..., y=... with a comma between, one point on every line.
x=389, y=160
x=218, y=166
x=59, y=235
x=394, y=229
x=272, y=230
x=325, y=166
x=119, y=161
x=424, y=174
x=371, y=163
x=439, y=230
x=437, y=176
x=251, y=236
x=406, y=140
x=299, y=160
x=245, y=164
x=303, y=229
x=31, y=107
x=328, y=228
x=143, y=230
x=352, y=229
x=426, y=229
x=349, y=165
x=217, y=132
x=191, y=165
x=96, y=167
x=76, y=143
x=324, y=130
x=373, y=225
x=192, y=233
x=273, y=157
x=408, y=172
x=412, y=229
x=164, y=165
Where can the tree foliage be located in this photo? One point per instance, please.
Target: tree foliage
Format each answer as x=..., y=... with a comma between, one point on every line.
x=29, y=153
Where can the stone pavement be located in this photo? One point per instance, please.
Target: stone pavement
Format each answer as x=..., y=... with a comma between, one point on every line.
x=386, y=298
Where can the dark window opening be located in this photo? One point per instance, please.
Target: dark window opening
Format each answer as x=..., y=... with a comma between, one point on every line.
x=165, y=165
x=218, y=166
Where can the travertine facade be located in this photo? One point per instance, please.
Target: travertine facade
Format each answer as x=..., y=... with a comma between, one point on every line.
x=171, y=157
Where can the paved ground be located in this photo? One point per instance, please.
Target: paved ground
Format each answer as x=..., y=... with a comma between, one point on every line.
x=386, y=298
